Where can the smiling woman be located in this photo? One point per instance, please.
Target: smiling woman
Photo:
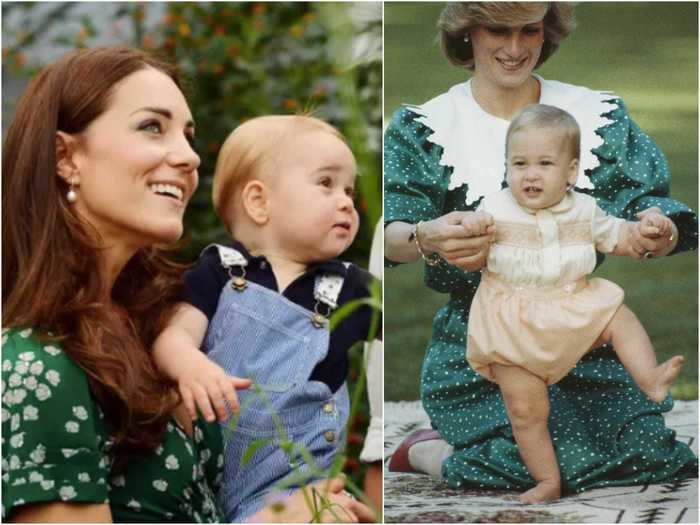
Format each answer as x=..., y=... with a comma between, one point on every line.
x=444, y=158
x=98, y=168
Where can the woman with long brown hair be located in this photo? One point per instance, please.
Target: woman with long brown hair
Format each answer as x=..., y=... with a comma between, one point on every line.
x=98, y=168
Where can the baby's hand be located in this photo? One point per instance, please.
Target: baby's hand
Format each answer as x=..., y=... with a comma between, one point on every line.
x=209, y=385
x=478, y=223
x=654, y=225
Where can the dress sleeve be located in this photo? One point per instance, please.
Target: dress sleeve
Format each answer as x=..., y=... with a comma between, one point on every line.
x=53, y=435
x=606, y=230
x=416, y=189
x=634, y=175
x=414, y=182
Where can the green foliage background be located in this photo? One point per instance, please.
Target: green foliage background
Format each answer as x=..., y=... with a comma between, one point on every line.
x=242, y=60
x=645, y=52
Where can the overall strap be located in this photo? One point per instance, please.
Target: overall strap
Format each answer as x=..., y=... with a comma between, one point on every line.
x=327, y=288
x=230, y=257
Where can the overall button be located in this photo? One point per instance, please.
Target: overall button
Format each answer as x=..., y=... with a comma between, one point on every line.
x=329, y=435
x=328, y=408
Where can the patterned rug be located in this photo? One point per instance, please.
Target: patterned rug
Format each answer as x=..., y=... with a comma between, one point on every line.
x=417, y=498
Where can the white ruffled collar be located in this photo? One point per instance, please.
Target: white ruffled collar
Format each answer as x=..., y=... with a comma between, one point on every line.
x=473, y=141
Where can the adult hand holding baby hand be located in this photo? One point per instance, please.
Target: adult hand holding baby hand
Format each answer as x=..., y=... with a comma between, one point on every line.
x=462, y=238
x=655, y=234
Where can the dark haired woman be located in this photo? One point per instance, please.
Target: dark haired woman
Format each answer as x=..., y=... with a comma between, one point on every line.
x=98, y=167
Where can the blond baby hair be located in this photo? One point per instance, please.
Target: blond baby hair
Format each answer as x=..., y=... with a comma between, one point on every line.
x=543, y=116
x=247, y=151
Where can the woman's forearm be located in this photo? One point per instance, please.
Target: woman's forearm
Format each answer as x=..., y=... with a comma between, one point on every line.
x=398, y=245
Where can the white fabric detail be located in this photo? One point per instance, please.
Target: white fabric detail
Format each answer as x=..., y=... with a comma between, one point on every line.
x=327, y=289
x=229, y=256
x=473, y=141
x=374, y=357
x=548, y=261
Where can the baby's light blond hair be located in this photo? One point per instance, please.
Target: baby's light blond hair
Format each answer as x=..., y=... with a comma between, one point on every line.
x=540, y=116
x=247, y=151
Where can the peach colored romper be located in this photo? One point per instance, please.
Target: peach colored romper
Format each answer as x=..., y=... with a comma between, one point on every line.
x=535, y=307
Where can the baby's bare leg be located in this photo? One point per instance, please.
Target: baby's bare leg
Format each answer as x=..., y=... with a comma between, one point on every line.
x=527, y=404
x=633, y=346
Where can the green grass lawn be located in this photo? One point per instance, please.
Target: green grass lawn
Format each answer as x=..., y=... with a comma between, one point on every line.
x=646, y=52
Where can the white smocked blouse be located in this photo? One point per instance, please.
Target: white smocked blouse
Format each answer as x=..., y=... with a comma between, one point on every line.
x=548, y=247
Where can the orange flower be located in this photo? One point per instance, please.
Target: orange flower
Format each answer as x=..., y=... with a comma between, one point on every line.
x=259, y=9
x=352, y=465
x=217, y=69
x=184, y=29
x=233, y=50
x=168, y=19
x=355, y=439
x=148, y=41
x=220, y=30
x=297, y=30
x=290, y=104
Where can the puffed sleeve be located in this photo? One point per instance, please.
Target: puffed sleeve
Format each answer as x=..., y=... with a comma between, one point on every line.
x=606, y=230
x=53, y=435
x=634, y=175
x=416, y=189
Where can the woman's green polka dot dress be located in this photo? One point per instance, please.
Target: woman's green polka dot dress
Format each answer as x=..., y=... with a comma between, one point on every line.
x=605, y=431
x=56, y=446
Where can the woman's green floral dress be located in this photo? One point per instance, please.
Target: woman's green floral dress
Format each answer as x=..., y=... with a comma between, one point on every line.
x=56, y=446
x=604, y=430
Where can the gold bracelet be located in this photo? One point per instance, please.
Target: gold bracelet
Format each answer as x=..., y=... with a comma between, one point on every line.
x=430, y=260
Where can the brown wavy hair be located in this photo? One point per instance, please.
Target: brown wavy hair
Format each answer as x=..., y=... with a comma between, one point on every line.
x=458, y=18
x=50, y=257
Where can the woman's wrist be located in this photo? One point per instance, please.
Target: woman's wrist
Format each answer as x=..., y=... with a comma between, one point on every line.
x=418, y=237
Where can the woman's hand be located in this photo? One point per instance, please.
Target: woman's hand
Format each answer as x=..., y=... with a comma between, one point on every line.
x=462, y=238
x=296, y=509
x=655, y=234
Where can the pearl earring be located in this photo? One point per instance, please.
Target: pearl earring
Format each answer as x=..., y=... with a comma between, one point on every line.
x=71, y=195
x=466, y=38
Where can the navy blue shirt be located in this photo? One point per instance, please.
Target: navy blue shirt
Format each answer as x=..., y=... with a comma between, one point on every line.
x=205, y=281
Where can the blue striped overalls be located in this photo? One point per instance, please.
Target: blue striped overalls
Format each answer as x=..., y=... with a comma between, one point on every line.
x=258, y=333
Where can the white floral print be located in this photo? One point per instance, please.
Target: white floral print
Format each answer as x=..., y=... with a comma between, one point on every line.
x=17, y=440
x=80, y=412
x=30, y=413
x=53, y=377
x=30, y=382
x=161, y=485
x=52, y=350
x=73, y=427
x=36, y=368
x=42, y=392
x=38, y=455
x=67, y=492
x=171, y=463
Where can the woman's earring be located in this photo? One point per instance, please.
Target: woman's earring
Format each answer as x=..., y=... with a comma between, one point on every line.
x=466, y=38
x=71, y=195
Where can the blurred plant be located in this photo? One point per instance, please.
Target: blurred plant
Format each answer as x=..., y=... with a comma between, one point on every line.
x=242, y=60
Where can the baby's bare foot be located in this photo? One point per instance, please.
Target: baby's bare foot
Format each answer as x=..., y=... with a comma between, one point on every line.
x=664, y=376
x=542, y=492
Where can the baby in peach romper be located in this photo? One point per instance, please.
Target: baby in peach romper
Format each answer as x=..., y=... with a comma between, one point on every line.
x=535, y=313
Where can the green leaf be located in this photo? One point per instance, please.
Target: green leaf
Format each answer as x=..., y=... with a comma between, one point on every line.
x=253, y=448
